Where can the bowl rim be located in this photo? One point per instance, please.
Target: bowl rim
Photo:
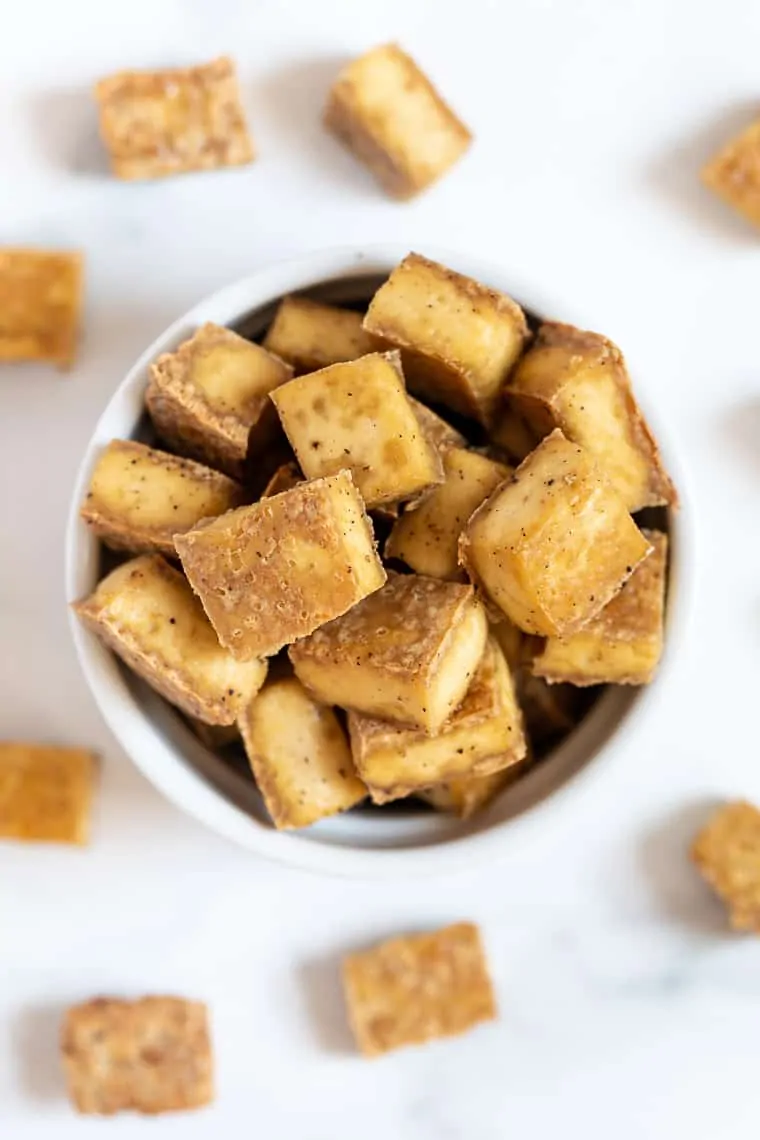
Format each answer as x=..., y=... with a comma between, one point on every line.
x=185, y=787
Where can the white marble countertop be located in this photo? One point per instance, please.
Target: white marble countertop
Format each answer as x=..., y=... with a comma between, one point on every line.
x=626, y=1008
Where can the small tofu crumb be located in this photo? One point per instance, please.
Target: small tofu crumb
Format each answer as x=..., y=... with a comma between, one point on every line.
x=727, y=853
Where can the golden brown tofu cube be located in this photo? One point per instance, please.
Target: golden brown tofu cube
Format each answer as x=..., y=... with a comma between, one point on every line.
x=299, y=755
x=734, y=174
x=427, y=536
x=512, y=642
x=578, y=381
x=45, y=793
x=277, y=570
x=418, y=987
x=483, y=735
x=513, y=435
x=465, y=796
x=440, y=433
x=211, y=393
x=358, y=416
x=622, y=645
x=727, y=853
x=390, y=116
x=286, y=477
x=311, y=335
x=40, y=303
x=139, y=498
x=552, y=546
x=407, y=653
x=146, y=612
x=459, y=339
x=152, y=1055
x=156, y=123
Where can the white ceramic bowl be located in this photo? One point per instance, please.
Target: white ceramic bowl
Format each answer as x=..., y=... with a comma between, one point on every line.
x=361, y=843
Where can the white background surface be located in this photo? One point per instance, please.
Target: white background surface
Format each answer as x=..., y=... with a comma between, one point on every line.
x=626, y=1009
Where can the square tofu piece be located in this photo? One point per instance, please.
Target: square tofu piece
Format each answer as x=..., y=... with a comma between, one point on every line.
x=40, y=303
x=734, y=174
x=440, y=433
x=512, y=435
x=358, y=416
x=459, y=339
x=482, y=736
x=310, y=335
x=464, y=796
x=299, y=755
x=391, y=117
x=155, y=123
x=207, y=396
x=146, y=612
x=152, y=1055
x=553, y=546
x=427, y=536
x=140, y=498
x=45, y=793
x=727, y=853
x=417, y=988
x=407, y=653
x=623, y=644
x=277, y=570
x=578, y=381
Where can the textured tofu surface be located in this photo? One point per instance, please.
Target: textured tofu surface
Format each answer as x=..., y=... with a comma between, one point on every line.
x=459, y=339
x=438, y=430
x=156, y=123
x=389, y=114
x=734, y=174
x=299, y=755
x=152, y=1055
x=275, y=571
x=417, y=988
x=147, y=613
x=727, y=853
x=310, y=335
x=45, y=793
x=40, y=304
x=464, y=796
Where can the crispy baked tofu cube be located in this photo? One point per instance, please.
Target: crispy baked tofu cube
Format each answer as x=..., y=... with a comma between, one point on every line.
x=208, y=396
x=459, y=339
x=407, y=653
x=311, y=335
x=623, y=644
x=146, y=612
x=427, y=537
x=465, y=796
x=357, y=415
x=299, y=755
x=438, y=430
x=734, y=173
x=552, y=546
x=578, y=381
x=156, y=123
x=482, y=736
x=152, y=1055
x=390, y=116
x=513, y=435
x=418, y=987
x=727, y=853
x=140, y=498
x=277, y=570
x=511, y=641
x=40, y=303
x=45, y=793
x=285, y=478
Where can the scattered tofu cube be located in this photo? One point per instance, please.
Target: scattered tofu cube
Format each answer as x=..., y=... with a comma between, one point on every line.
x=553, y=546
x=406, y=653
x=427, y=536
x=734, y=174
x=139, y=498
x=459, y=339
x=483, y=735
x=146, y=612
x=156, y=123
x=299, y=755
x=727, y=853
x=40, y=304
x=417, y=988
x=390, y=116
x=152, y=1055
x=311, y=335
x=209, y=395
x=578, y=381
x=45, y=793
x=286, y=477
x=623, y=644
x=465, y=796
x=438, y=430
x=358, y=416
x=275, y=571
